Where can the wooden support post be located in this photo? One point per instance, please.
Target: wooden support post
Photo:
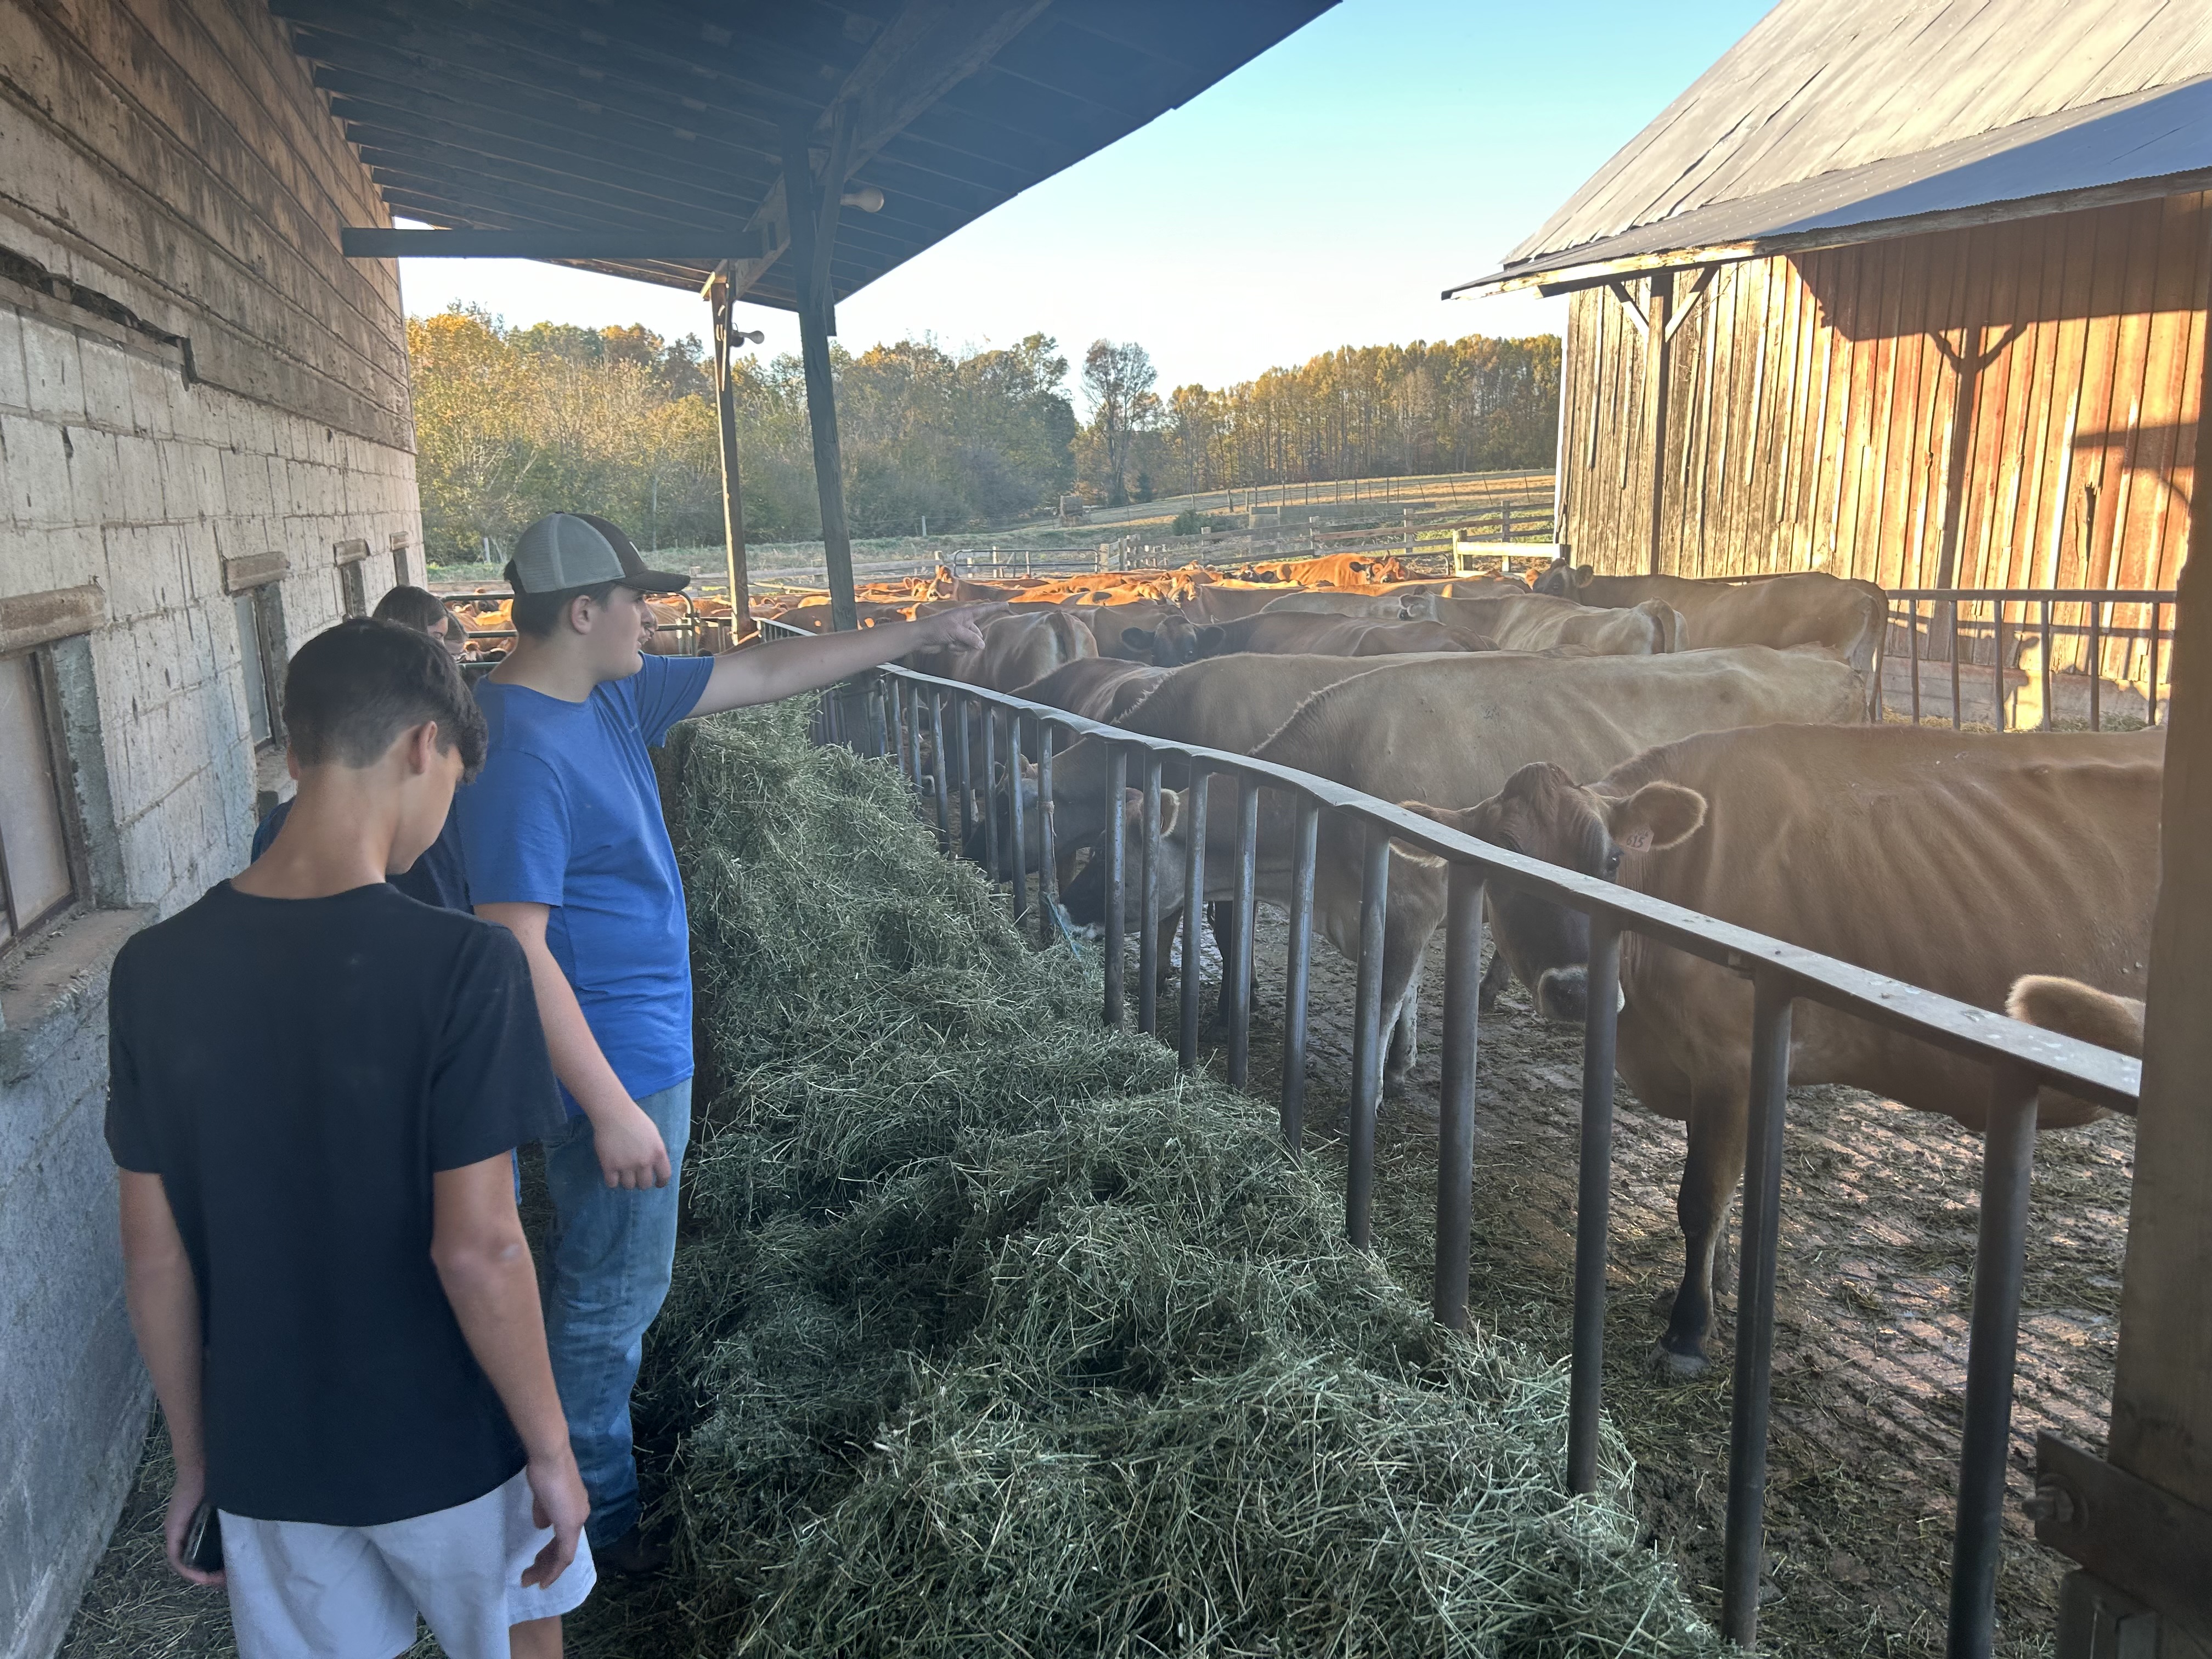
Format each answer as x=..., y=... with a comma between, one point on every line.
x=1656, y=334
x=2161, y=1430
x=813, y=232
x=726, y=425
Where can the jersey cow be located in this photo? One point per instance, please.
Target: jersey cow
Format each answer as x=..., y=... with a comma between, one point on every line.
x=1454, y=728
x=1955, y=862
x=1805, y=607
x=1017, y=649
x=1540, y=621
x=1295, y=633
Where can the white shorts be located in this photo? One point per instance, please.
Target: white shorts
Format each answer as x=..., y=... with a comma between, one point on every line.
x=299, y=1588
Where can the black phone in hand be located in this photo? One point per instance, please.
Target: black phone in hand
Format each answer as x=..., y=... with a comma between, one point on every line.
x=203, y=1550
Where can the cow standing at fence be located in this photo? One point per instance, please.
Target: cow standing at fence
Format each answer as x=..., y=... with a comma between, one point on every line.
x=1952, y=861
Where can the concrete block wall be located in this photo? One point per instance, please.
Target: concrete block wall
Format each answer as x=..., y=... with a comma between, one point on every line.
x=190, y=371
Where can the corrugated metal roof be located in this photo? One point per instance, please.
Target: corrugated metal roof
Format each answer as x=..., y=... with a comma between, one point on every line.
x=1835, y=120
x=663, y=118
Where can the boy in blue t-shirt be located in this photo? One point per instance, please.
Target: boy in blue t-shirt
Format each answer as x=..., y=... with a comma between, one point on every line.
x=565, y=846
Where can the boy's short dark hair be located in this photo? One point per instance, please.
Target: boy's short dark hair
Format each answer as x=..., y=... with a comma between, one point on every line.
x=354, y=688
x=537, y=615
x=417, y=608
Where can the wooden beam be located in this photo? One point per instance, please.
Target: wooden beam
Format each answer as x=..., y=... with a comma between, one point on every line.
x=2162, y=1428
x=813, y=220
x=373, y=242
x=726, y=428
x=1688, y=303
x=1657, y=333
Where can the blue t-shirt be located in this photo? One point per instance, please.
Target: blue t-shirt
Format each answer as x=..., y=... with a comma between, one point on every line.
x=566, y=813
x=436, y=878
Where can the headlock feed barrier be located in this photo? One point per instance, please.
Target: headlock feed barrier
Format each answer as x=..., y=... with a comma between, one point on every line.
x=889, y=711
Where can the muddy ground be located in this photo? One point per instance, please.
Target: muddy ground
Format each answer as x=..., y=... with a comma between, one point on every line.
x=1879, y=1212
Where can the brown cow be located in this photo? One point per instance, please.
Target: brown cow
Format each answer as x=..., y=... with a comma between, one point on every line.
x=1455, y=727
x=1281, y=632
x=1805, y=607
x=1538, y=622
x=2073, y=1009
x=1095, y=688
x=1952, y=862
x=1017, y=649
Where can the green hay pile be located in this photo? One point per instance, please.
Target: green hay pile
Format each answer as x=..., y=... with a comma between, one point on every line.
x=992, y=1335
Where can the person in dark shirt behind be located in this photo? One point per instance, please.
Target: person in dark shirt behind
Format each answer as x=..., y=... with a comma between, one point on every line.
x=316, y=1085
x=437, y=878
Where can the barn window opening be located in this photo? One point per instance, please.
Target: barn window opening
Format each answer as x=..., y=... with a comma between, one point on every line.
x=39, y=872
x=261, y=654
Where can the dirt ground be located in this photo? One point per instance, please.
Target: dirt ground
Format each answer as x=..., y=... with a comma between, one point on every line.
x=1879, y=1212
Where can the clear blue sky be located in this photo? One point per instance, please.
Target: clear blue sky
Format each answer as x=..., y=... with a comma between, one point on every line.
x=1322, y=196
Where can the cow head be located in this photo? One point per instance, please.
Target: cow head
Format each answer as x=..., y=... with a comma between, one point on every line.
x=1085, y=896
x=1175, y=641
x=1562, y=578
x=1544, y=813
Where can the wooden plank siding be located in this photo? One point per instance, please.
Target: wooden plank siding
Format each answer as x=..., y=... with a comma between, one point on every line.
x=1812, y=403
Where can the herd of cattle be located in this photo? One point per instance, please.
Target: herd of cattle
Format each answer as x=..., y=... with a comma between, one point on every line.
x=1708, y=743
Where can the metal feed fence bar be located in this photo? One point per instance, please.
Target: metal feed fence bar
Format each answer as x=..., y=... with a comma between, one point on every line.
x=1950, y=636
x=2020, y=1058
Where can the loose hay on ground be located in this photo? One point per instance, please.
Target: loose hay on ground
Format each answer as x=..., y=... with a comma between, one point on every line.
x=991, y=1334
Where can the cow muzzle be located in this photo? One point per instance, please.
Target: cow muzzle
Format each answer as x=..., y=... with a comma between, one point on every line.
x=1563, y=994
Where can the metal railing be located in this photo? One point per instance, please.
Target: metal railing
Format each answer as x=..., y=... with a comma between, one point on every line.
x=1978, y=634
x=894, y=710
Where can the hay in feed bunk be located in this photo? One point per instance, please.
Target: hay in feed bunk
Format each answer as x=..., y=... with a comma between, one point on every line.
x=991, y=1334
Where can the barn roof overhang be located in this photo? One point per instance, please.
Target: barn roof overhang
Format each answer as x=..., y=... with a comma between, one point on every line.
x=2147, y=144
x=654, y=132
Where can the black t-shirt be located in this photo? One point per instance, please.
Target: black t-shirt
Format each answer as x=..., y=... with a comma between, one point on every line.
x=295, y=1070
x=437, y=878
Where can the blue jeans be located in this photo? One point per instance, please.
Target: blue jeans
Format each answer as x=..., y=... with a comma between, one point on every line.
x=611, y=1254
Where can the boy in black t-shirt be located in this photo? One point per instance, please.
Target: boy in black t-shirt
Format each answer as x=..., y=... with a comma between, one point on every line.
x=317, y=1083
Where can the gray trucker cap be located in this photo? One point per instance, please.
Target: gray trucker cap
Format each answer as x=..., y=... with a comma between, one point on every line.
x=564, y=550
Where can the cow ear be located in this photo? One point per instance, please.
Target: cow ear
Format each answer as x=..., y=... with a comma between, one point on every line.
x=1583, y=573
x=1655, y=818
x=1211, y=638
x=1170, y=812
x=1137, y=639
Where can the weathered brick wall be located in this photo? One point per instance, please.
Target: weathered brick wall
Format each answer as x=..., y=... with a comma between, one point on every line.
x=190, y=371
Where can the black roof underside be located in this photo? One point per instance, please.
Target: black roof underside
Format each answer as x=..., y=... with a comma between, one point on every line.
x=652, y=115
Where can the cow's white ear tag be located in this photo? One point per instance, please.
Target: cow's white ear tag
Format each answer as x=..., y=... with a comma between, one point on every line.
x=1638, y=840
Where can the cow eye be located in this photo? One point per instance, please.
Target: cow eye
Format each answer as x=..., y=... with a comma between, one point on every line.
x=1613, y=861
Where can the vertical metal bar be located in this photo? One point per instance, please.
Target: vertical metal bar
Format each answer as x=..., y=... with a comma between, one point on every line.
x=1237, y=962
x=1958, y=715
x=2047, y=717
x=1298, y=975
x=963, y=715
x=1148, y=907
x=1754, y=1306
x=1367, y=1034
x=2096, y=666
x=1456, y=1115
x=1914, y=659
x=1117, y=785
x=896, y=693
x=2150, y=686
x=1194, y=908
x=990, y=789
x=1593, y=1204
x=1017, y=818
x=940, y=766
x=1997, y=664
x=1048, y=845
x=914, y=731
x=1992, y=1336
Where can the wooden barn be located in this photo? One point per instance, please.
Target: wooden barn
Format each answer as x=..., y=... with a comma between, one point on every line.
x=1907, y=290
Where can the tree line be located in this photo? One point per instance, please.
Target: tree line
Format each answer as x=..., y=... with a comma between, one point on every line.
x=511, y=422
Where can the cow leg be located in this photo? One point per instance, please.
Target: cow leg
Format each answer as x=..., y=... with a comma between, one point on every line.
x=1497, y=975
x=1221, y=922
x=1719, y=1125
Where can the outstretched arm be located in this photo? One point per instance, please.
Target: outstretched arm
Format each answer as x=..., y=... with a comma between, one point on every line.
x=769, y=673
